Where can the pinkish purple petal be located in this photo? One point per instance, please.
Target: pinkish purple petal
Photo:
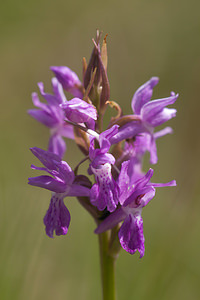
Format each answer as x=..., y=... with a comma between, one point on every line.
x=79, y=111
x=37, y=103
x=51, y=99
x=43, y=117
x=171, y=183
x=163, y=116
x=59, y=169
x=105, y=136
x=49, y=183
x=68, y=79
x=47, y=158
x=57, y=145
x=131, y=234
x=105, y=192
x=153, y=151
x=123, y=179
x=134, y=189
x=163, y=132
x=58, y=91
x=143, y=95
x=135, y=199
x=127, y=131
x=57, y=217
x=148, y=196
x=155, y=112
x=101, y=158
x=67, y=131
x=39, y=168
x=142, y=182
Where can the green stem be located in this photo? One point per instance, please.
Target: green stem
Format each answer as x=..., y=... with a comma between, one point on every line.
x=107, y=262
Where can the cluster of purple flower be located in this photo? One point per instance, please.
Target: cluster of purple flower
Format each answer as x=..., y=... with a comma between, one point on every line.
x=119, y=189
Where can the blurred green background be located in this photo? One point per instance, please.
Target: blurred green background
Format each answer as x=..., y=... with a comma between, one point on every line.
x=145, y=38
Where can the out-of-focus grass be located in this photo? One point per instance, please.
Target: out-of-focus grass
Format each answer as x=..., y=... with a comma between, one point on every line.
x=146, y=38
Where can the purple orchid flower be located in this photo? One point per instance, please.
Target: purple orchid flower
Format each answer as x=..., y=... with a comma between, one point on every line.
x=69, y=80
x=61, y=183
x=52, y=116
x=149, y=114
x=134, y=195
x=104, y=193
x=153, y=113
